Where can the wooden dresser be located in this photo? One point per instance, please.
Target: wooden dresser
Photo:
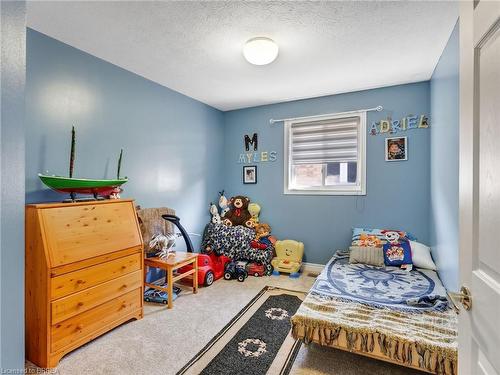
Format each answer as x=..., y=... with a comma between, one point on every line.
x=84, y=274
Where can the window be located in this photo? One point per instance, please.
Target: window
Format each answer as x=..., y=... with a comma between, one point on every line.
x=326, y=154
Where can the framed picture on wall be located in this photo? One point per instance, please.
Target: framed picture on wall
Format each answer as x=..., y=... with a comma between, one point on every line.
x=250, y=174
x=396, y=149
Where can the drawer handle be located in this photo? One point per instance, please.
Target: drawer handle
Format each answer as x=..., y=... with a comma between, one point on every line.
x=124, y=267
x=123, y=306
x=79, y=327
x=80, y=304
x=124, y=286
x=80, y=281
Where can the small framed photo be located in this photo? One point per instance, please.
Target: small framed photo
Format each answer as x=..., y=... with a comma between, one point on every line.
x=250, y=174
x=396, y=149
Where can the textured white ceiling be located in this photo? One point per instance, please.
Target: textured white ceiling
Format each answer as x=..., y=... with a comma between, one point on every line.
x=196, y=47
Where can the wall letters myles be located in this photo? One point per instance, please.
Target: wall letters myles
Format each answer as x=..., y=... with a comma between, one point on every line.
x=406, y=123
x=255, y=157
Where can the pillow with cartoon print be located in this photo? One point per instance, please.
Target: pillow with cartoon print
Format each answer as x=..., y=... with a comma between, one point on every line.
x=397, y=253
x=368, y=237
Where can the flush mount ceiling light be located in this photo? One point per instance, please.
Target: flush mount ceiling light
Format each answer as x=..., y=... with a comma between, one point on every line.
x=260, y=51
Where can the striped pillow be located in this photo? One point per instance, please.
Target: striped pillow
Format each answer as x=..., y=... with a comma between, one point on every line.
x=366, y=255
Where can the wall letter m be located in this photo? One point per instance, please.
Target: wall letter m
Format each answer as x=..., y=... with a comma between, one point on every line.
x=253, y=141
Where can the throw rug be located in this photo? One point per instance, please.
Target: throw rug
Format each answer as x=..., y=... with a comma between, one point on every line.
x=256, y=341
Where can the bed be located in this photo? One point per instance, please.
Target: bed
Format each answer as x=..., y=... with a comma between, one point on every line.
x=385, y=313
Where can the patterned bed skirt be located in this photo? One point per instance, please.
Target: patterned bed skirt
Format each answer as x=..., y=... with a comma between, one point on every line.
x=425, y=341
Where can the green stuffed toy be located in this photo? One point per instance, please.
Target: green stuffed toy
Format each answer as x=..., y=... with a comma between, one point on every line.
x=254, y=210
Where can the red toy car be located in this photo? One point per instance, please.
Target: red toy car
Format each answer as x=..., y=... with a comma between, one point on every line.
x=256, y=269
x=210, y=268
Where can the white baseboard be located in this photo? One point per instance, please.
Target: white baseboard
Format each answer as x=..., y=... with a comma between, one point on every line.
x=312, y=267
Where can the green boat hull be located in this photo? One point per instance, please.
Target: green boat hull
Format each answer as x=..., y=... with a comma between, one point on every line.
x=82, y=185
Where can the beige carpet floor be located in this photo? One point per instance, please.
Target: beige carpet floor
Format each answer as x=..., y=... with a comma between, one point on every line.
x=164, y=340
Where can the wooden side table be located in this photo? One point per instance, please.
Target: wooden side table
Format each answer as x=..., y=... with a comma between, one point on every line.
x=172, y=263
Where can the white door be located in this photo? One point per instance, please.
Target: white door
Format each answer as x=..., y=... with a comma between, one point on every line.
x=479, y=327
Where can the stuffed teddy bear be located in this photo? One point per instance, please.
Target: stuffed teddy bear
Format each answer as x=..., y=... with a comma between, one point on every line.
x=254, y=210
x=238, y=214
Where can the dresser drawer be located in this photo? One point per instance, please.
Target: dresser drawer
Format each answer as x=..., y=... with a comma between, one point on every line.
x=77, y=303
x=100, y=318
x=88, y=277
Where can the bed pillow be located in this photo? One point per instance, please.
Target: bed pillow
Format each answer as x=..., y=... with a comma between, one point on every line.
x=377, y=237
x=366, y=255
x=421, y=256
x=397, y=254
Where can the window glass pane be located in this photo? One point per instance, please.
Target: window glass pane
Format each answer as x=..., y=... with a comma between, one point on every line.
x=305, y=175
x=323, y=155
x=352, y=172
x=341, y=173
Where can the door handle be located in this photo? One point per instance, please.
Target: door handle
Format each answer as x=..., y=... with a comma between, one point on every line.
x=464, y=297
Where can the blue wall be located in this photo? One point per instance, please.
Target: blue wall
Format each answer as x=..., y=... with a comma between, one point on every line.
x=397, y=193
x=444, y=162
x=13, y=69
x=180, y=152
x=173, y=145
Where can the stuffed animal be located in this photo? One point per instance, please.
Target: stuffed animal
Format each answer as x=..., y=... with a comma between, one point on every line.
x=254, y=210
x=238, y=214
x=215, y=214
x=223, y=204
x=115, y=193
x=262, y=237
x=288, y=258
x=163, y=243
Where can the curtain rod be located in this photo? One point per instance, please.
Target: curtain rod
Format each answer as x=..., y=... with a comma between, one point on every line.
x=378, y=109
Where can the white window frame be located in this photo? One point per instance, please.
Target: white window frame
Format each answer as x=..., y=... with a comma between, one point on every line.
x=358, y=189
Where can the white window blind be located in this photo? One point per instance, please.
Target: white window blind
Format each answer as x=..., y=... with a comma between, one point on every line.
x=325, y=141
x=326, y=155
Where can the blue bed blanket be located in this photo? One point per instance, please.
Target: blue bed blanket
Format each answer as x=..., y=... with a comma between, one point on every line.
x=388, y=287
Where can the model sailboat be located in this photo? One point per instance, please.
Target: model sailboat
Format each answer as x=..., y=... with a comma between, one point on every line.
x=73, y=186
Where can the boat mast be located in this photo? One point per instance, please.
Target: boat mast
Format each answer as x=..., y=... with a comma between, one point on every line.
x=119, y=164
x=72, y=153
